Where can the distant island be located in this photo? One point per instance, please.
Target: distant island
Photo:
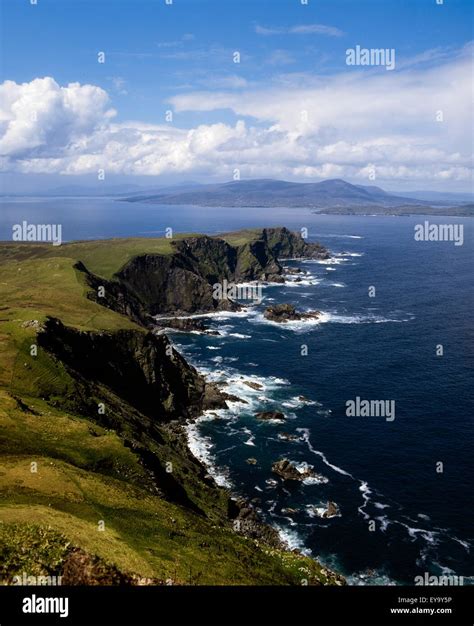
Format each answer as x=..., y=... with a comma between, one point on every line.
x=334, y=196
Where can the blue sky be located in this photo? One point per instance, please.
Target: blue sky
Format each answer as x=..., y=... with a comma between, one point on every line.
x=179, y=57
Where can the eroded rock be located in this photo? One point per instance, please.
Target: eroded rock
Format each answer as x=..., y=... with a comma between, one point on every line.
x=283, y=313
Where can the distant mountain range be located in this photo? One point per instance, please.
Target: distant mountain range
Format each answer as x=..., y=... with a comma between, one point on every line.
x=445, y=197
x=100, y=190
x=329, y=196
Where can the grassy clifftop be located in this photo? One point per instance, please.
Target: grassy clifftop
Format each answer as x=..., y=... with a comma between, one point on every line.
x=106, y=257
x=96, y=484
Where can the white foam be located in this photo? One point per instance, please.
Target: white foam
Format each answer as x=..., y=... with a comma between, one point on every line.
x=335, y=318
x=384, y=522
x=319, y=511
x=291, y=539
x=295, y=402
x=303, y=283
x=224, y=359
x=293, y=325
x=428, y=535
x=366, y=493
x=218, y=315
x=314, y=511
x=201, y=447
x=335, y=235
x=311, y=480
x=337, y=469
x=330, y=261
x=465, y=544
x=365, y=579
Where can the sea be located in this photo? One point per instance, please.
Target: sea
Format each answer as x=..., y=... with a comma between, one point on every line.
x=396, y=325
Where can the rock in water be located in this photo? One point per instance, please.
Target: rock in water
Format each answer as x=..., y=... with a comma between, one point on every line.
x=288, y=437
x=253, y=385
x=183, y=324
x=332, y=510
x=283, y=313
x=270, y=415
x=288, y=471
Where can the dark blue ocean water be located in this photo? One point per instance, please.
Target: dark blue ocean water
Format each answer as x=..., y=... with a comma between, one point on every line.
x=380, y=348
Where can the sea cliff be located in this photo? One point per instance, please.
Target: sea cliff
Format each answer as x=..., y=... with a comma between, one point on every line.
x=95, y=403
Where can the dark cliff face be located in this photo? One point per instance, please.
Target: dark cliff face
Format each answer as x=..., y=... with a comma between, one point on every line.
x=136, y=384
x=256, y=261
x=285, y=244
x=182, y=283
x=145, y=387
x=140, y=367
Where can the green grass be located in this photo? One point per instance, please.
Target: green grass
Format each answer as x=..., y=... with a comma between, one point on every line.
x=106, y=257
x=103, y=258
x=31, y=290
x=241, y=237
x=86, y=473
x=144, y=534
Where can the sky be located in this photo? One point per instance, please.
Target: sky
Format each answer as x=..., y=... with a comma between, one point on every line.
x=211, y=90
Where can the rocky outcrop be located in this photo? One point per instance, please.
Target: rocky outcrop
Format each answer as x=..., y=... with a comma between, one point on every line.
x=185, y=324
x=288, y=471
x=331, y=510
x=270, y=415
x=253, y=385
x=288, y=437
x=183, y=282
x=286, y=244
x=247, y=522
x=142, y=368
x=135, y=383
x=283, y=313
x=177, y=283
x=215, y=398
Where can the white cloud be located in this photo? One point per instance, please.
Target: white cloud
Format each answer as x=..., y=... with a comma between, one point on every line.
x=332, y=126
x=280, y=57
x=303, y=29
x=119, y=84
x=44, y=119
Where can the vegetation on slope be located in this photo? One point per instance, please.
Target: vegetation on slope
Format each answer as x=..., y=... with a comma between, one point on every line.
x=112, y=496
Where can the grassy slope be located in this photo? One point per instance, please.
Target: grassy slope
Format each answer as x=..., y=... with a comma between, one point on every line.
x=85, y=473
x=101, y=258
x=105, y=258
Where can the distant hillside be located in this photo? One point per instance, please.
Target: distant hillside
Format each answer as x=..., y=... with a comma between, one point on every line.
x=445, y=197
x=464, y=210
x=335, y=193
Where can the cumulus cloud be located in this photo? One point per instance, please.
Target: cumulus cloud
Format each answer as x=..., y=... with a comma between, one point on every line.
x=411, y=125
x=43, y=119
